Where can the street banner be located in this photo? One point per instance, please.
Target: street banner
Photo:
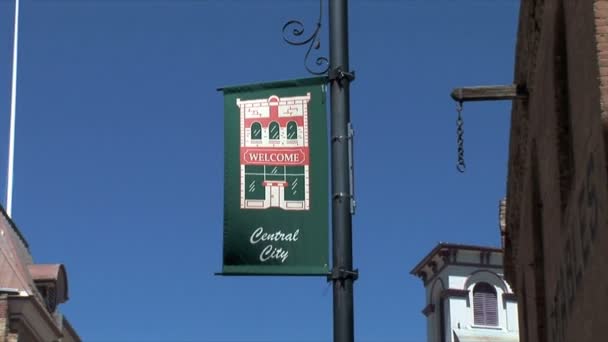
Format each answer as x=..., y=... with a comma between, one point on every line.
x=276, y=195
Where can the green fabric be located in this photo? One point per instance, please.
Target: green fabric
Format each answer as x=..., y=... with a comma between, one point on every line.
x=291, y=241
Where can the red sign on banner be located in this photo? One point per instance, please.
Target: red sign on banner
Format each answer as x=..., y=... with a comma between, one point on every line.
x=274, y=156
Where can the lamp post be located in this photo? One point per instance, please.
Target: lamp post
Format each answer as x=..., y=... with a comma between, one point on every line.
x=343, y=275
x=339, y=76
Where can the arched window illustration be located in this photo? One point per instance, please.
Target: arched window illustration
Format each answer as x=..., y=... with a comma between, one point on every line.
x=256, y=131
x=485, y=305
x=292, y=130
x=274, y=131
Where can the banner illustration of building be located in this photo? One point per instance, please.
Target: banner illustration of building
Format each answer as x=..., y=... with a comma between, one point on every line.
x=274, y=153
x=276, y=186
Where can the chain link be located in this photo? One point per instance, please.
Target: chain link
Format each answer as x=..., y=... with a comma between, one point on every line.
x=460, y=166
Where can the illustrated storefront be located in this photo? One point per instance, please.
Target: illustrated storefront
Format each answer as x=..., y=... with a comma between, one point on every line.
x=275, y=153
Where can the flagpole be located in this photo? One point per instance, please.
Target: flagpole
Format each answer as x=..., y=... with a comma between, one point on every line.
x=11, y=144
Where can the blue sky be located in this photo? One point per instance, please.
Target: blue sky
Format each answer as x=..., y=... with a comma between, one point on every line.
x=118, y=167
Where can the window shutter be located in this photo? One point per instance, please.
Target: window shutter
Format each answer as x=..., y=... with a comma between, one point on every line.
x=478, y=305
x=485, y=305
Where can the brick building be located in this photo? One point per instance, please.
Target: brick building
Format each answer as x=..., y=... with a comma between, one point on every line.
x=30, y=293
x=555, y=238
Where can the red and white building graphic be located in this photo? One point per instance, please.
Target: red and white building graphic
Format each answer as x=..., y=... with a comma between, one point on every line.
x=274, y=153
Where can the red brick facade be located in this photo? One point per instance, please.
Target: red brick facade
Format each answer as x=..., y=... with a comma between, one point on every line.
x=556, y=241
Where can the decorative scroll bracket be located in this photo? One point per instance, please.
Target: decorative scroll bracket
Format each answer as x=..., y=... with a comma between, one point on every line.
x=293, y=34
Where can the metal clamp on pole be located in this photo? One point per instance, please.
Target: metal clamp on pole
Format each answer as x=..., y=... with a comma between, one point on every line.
x=342, y=274
x=340, y=195
x=340, y=138
x=339, y=75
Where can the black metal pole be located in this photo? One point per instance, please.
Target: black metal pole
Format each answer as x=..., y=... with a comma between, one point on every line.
x=343, y=275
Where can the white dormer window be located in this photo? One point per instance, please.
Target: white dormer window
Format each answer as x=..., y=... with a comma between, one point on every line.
x=485, y=305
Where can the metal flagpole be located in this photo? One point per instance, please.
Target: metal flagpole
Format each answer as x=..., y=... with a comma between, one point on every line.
x=11, y=144
x=340, y=77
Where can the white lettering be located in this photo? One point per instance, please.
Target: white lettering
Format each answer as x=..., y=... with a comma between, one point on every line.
x=255, y=236
x=274, y=157
x=270, y=252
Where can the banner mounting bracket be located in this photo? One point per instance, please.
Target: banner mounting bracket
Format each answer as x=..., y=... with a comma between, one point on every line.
x=339, y=75
x=342, y=274
x=342, y=195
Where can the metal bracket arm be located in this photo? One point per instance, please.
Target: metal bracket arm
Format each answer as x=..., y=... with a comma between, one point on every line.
x=342, y=274
x=339, y=74
x=348, y=138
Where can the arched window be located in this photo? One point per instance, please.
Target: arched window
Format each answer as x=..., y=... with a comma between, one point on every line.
x=485, y=305
x=256, y=131
x=292, y=130
x=273, y=131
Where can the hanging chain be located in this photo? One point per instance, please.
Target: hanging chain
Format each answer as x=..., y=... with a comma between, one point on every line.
x=460, y=138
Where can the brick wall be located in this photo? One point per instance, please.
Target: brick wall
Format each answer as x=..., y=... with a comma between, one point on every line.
x=555, y=240
x=601, y=35
x=3, y=317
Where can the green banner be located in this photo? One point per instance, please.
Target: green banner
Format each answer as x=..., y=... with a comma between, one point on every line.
x=276, y=195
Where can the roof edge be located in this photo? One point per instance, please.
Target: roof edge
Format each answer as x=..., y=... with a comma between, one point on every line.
x=14, y=226
x=446, y=245
x=67, y=326
x=40, y=309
